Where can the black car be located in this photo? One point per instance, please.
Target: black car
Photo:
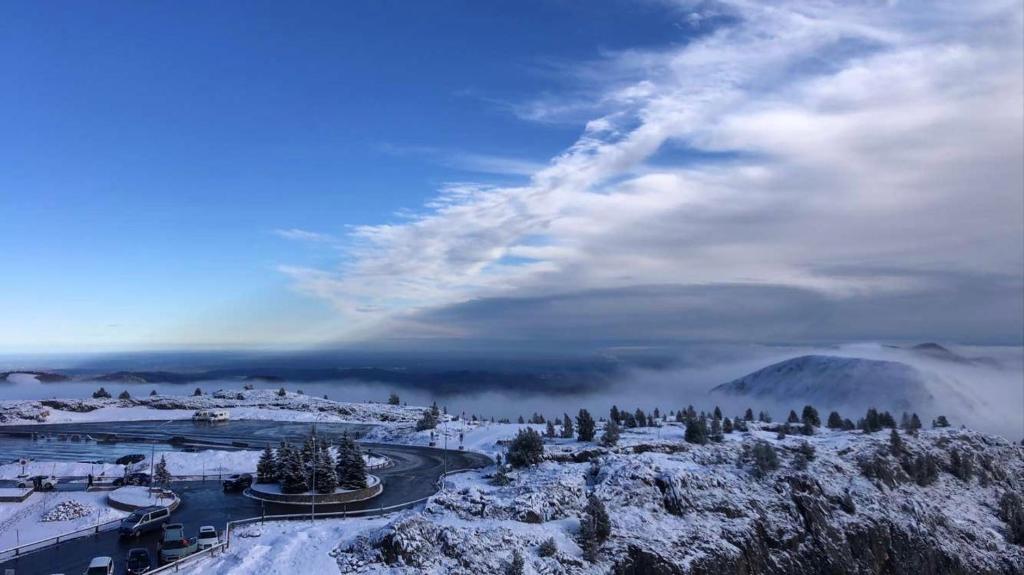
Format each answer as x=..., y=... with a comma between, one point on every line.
x=238, y=482
x=138, y=561
x=134, y=479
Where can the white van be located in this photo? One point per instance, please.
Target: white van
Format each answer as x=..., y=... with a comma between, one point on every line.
x=211, y=415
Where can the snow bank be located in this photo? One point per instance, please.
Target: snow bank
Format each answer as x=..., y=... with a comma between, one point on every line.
x=22, y=523
x=285, y=548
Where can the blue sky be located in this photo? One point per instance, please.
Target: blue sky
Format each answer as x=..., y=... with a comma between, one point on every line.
x=177, y=174
x=149, y=151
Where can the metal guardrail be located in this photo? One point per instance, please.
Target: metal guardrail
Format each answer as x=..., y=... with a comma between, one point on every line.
x=40, y=544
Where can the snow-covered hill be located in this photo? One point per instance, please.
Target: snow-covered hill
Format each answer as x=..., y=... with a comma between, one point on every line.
x=849, y=383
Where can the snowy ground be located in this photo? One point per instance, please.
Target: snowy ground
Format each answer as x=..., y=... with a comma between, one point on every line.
x=286, y=547
x=22, y=522
x=138, y=496
x=244, y=404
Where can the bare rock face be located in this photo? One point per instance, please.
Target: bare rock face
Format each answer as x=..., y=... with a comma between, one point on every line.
x=701, y=510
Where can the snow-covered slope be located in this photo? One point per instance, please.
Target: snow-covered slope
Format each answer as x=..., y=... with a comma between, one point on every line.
x=680, y=509
x=847, y=382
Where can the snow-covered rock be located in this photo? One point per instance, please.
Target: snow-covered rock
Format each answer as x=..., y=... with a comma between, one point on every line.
x=68, y=510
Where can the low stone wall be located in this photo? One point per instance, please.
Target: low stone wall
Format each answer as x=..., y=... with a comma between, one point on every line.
x=373, y=489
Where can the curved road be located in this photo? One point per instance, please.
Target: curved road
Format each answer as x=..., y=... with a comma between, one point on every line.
x=413, y=476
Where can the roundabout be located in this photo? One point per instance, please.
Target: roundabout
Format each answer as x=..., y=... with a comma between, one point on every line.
x=271, y=493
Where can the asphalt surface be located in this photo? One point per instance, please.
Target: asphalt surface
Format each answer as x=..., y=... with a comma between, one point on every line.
x=413, y=476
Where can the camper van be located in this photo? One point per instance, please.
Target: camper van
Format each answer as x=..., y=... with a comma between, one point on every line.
x=211, y=415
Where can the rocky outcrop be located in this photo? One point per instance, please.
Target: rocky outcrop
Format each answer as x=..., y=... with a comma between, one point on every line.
x=699, y=510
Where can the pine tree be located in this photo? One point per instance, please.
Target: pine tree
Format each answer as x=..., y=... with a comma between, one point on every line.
x=160, y=473
x=792, y=417
x=101, y=394
x=152, y=393
x=656, y=413
x=748, y=415
x=501, y=477
x=281, y=392
x=197, y=392
x=393, y=399
x=521, y=420
x=765, y=458
x=716, y=430
x=595, y=527
x=614, y=415
x=266, y=469
x=629, y=419
x=915, y=424
x=427, y=421
x=806, y=428
x=940, y=421
x=124, y=395
x=435, y=411
x=810, y=416
x=835, y=421
x=293, y=476
x=896, y=446
x=696, y=431
x=567, y=429
x=610, y=437
x=717, y=413
x=549, y=432
x=585, y=426
x=527, y=448
x=727, y=425
x=641, y=418
x=350, y=466
x=325, y=478
x=281, y=461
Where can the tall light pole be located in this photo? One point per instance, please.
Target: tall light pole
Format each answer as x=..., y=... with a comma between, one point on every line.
x=312, y=512
x=444, y=455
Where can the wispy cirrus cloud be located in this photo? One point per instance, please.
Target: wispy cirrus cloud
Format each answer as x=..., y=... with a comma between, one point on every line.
x=301, y=235
x=868, y=135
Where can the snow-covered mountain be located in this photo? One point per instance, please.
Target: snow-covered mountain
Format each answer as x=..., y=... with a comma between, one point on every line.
x=833, y=381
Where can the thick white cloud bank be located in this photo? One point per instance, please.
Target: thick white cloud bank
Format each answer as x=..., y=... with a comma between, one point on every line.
x=859, y=159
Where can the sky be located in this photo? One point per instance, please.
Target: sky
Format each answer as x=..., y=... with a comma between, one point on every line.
x=550, y=174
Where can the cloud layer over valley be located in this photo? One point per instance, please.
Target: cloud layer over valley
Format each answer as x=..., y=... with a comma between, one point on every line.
x=790, y=171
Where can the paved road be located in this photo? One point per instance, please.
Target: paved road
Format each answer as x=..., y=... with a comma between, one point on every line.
x=413, y=476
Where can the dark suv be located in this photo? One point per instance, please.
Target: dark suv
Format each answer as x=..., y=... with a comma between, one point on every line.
x=138, y=561
x=238, y=482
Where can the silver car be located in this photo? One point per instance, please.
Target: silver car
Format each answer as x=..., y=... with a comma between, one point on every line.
x=175, y=545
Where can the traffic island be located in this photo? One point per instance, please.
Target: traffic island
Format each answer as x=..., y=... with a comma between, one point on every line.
x=135, y=497
x=271, y=493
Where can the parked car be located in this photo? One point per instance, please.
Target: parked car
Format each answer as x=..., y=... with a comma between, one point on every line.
x=207, y=537
x=138, y=478
x=238, y=482
x=100, y=566
x=175, y=545
x=144, y=520
x=138, y=561
x=130, y=459
x=39, y=482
